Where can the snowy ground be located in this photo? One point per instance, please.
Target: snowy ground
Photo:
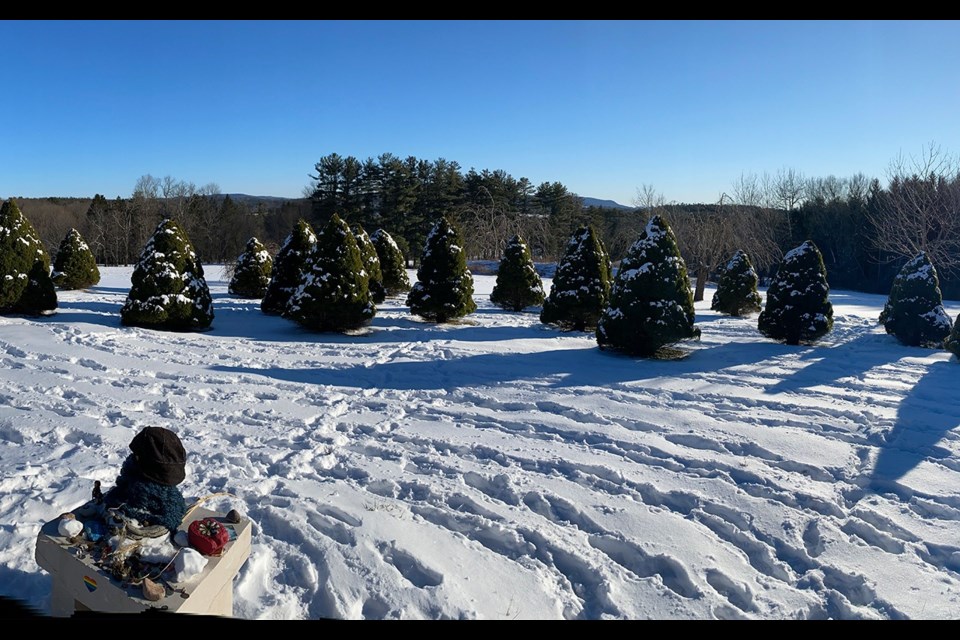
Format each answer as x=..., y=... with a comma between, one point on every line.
x=503, y=469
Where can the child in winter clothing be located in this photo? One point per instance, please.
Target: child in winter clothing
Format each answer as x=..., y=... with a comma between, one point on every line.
x=146, y=489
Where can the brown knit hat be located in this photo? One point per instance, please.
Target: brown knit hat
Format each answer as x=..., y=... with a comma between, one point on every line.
x=160, y=455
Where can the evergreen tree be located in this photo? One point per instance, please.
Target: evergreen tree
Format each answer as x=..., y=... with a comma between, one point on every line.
x=581, y=284
x=952, y=343
x=798, y=299
x=40, y=296
x=914, y=311
x=168, y=290
x=444, y=288
x=288, y=268
x=25, y=284
x=393, y=265
x=251, y=275
x=75, y=266
x=334, y=293
x=651, y=305
x=736, y=293
x=518, y=284
x=371, y=264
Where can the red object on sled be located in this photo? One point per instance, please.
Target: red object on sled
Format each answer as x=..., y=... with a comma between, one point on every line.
x=207, y=536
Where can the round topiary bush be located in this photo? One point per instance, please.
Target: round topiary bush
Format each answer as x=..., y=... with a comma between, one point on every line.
x=651, y=305
x=288, y=268
x=914, y=312
x=581, y=283
x=251, y=274
x=393, y=265
x=444, y=287
x=25, y=283
x=518, y=284
x=736, y=293
x=168, y=290
x=333, y=294
x=798, y=306
x=75, y=267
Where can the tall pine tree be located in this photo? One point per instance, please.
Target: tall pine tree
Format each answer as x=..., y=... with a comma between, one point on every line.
x=371, y=263
x=581, y=284
x=736, y=293
x=393, y=265
x=25, y=283
x=444, y=288
x=251, y=274
x=168, y=290
x=914, y=312
x=75, y=266
x=288, y=268
x=651, y=305
x=518, y=284
x=798, y=306
x=334, y=293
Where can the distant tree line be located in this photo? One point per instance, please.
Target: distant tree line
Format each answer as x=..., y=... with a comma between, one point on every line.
x=865, y=230
x=116, y=230
x=406, y=195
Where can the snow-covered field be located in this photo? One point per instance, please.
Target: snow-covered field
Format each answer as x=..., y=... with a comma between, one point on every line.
x=500, y=468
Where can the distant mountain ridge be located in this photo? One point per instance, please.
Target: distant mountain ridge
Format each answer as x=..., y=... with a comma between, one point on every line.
x=253, y=201
x=609, y=204
x=275, y=200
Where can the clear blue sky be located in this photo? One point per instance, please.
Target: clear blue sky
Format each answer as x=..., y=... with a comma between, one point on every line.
x=603, y=107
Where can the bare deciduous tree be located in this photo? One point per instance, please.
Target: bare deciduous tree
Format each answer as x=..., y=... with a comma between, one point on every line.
x=710, y=234
x=920, y=209
x=485, y=227
x=789, y=186
x=175, y=194
x=704, y=236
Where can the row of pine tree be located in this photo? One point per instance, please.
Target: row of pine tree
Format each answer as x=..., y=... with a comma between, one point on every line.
x=332, y=281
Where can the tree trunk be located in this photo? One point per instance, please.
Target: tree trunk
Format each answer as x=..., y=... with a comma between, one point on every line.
x=703, y=272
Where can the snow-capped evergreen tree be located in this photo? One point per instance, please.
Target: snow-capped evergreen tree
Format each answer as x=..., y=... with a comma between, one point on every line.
x=25, y=284
x=518, y=284
x=444, y=287
x=251, y=274
x=736, y=293
x=371, y=263
x=914, y=311
x=40, y=296
x=75, y=267
x=581, y=283
x=393, y=265
x=952, y=342
x=651, y=304
x=334, y=293
x=288, y=268
x=798, y=308
x=168, y=290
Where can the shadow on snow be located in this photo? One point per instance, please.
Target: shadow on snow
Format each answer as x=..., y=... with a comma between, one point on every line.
x=826, y=365
x=588, y=366
x=929, y=412
x=29, y=592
